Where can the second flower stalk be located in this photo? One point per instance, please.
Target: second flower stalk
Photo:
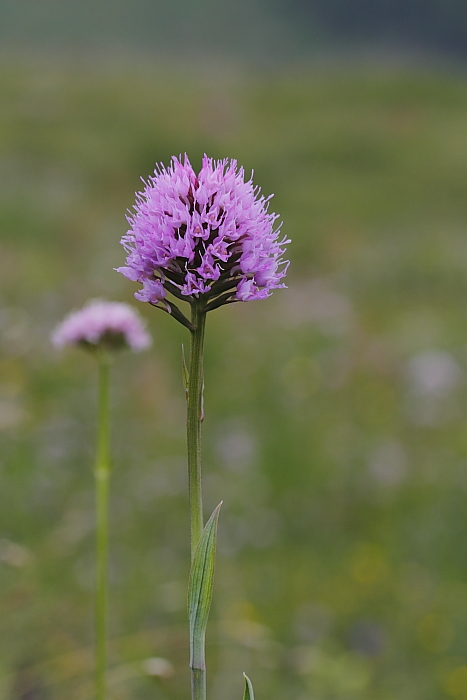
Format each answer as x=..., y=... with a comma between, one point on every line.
x=102, y=476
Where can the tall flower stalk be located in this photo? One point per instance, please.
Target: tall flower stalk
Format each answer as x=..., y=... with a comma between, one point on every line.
x=102, y=327
x=208, y=239
x=194, y=422
x=194, y=428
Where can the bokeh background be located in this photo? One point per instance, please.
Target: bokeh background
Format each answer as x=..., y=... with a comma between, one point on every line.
x=336, y=411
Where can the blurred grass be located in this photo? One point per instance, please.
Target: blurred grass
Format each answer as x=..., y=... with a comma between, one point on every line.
x=335, y=422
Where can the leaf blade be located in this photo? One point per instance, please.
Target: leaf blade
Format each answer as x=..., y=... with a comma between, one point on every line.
x=200, y=589
x=185, y=373
x=248, y=693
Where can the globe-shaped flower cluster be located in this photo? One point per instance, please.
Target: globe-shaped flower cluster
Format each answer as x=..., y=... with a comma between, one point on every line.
x=206, y=237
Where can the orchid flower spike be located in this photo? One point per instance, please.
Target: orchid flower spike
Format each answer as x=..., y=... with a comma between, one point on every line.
x=206, y=238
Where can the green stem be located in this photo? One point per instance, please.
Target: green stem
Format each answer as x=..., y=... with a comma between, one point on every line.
x=102, y=473
x=198, y=683
x=194, y=421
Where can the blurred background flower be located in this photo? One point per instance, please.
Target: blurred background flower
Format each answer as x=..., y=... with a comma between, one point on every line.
x=336, y=427
x=101, y=324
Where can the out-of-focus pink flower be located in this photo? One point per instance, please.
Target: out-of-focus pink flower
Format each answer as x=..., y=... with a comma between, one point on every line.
x=109, y=324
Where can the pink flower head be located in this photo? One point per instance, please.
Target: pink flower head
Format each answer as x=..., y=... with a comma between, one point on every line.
x=108, y=324
x=206, y=236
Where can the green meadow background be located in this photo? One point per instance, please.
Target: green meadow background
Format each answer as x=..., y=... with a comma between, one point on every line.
x=336, y=411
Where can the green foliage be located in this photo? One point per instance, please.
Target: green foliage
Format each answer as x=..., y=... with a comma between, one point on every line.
x=200, y=588
x=248, y=694
x=185, y=373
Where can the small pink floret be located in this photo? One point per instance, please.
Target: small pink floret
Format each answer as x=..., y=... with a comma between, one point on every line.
x=100, y=320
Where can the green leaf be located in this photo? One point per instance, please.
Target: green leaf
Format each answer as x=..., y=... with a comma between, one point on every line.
x=185, y=373
x=248, y=694
x=200, y=589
